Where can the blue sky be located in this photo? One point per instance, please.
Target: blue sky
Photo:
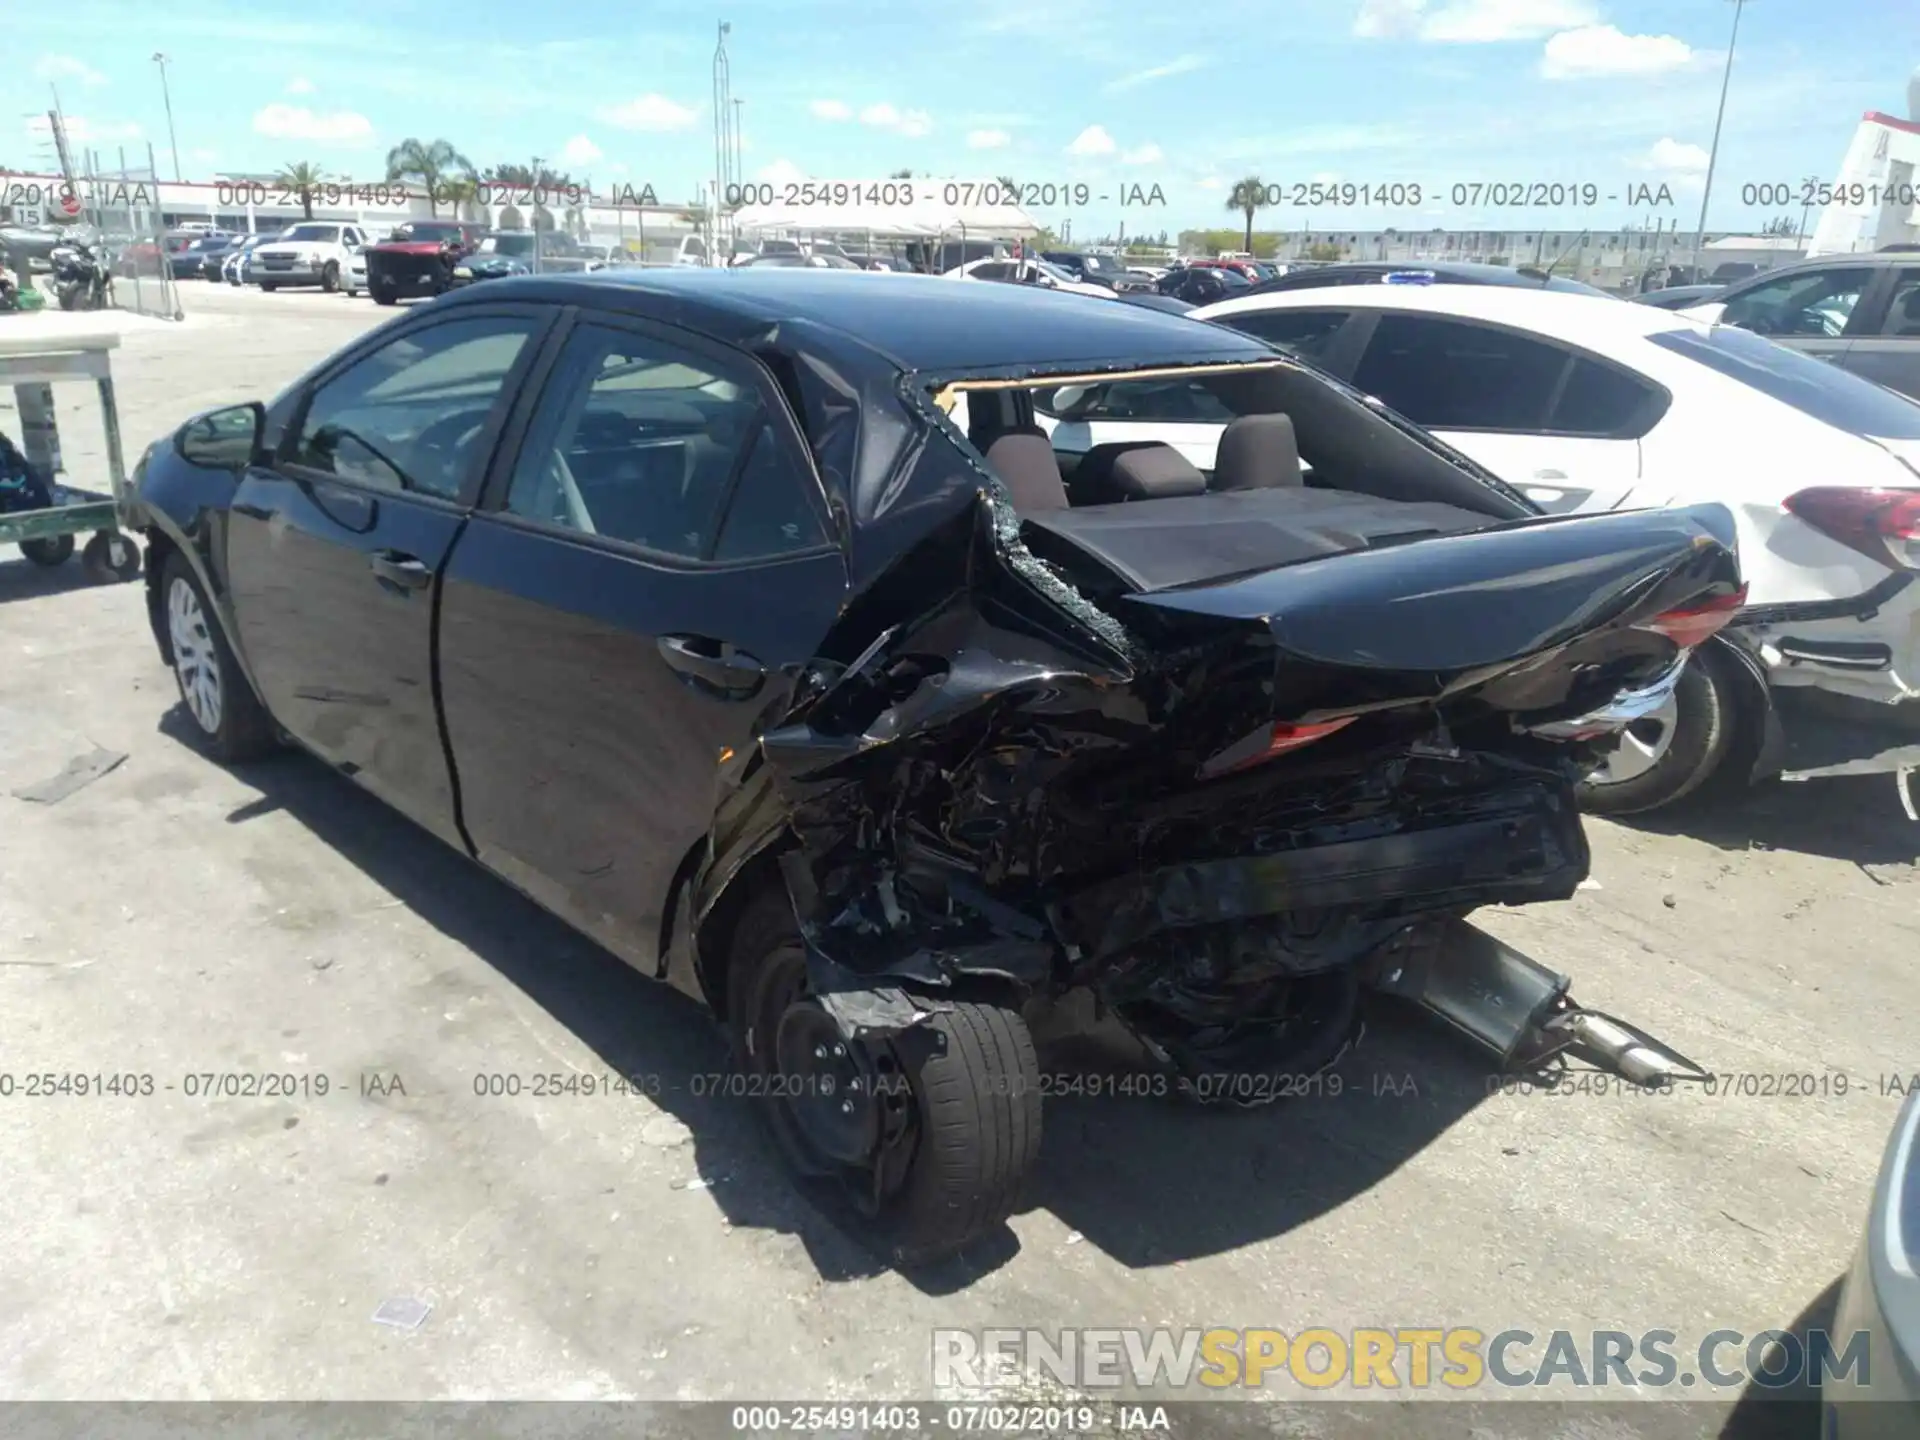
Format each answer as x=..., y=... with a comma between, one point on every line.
x=1616, y=93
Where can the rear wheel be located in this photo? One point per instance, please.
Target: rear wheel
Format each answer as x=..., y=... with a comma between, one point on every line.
x=230, y=720
x=384, y=294
x=329, y=277
x=1666, y=756
x=921, y=1139
x=49, y=550
x=268, y=286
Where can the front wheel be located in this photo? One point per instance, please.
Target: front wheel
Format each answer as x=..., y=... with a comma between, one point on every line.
x=228, y=717
x=49, y=550
x=329, y=278
x=1666, y=756
x=68, y=294
x=384, y=296
x=922, y=1139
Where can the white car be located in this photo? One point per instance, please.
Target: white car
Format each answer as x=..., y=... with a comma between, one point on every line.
x=1584, y=403
x=1026, y=272
x=353, y=273
x=313, y=252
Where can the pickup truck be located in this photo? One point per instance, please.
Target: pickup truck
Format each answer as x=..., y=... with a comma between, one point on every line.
x=314, y=252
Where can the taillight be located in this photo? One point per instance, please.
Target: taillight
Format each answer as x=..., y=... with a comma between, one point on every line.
x=1263, y=745
x=1883, y=525
x=1695, y=624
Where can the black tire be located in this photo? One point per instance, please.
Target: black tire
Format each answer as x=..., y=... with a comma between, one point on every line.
x=110, y=557
x=67, y=292
x=969, y=1105
x=49, y=550
x=268, y=286
x=1703, y=730
x=383, y=296
x=330, y=277
x=242, y=730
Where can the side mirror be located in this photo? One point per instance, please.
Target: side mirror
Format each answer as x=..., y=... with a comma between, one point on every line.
x=226, y=439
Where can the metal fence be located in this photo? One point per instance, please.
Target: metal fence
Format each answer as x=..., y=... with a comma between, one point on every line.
x=123, y=206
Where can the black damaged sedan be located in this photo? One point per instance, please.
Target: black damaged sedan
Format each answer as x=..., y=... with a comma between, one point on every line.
x=750, y=623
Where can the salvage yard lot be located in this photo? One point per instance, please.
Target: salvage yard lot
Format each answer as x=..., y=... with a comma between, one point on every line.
x=174, y=920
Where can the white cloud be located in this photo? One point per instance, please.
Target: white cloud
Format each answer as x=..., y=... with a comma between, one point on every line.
x=1673, y=157
x=1094, y=140
x=648, y=112
x=65, y=67
x=580, y=151
x=294, y=122
x=1472, y=21
x=780, y=172
x=831, y=110
x=910, y=123
x=1604, y=50
x=1146, y=155
x=988, y=139
x=82, y=131
x=300, y=85
x=1185, y=64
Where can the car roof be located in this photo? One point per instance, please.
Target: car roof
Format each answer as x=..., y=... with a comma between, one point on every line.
x=1553, y=312
x=913, y=322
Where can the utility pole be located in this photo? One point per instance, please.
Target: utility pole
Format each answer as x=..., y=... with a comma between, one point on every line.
x=739, y=144
x=167, y=98
x=1713, y=155
x=723, y=115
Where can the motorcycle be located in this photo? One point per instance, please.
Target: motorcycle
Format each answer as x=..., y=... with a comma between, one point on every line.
x=82, y=279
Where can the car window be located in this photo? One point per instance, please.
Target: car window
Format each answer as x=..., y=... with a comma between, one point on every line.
x=768, y=514
x=994, y=271
x=406, y=416
x=1805, y=303
x=1604, y=400
x=1305, y=333
x=1809, y=385
x=1451, y=376
x=1903, y=314
x=641, y=442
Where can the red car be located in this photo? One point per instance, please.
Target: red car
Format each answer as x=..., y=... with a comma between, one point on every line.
x=1245, y=268
x=418, y=258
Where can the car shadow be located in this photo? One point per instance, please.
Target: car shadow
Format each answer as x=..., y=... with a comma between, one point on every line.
x=1121, y=1171
x=1855, y=818
x=22, y=579
x=1788, y=1411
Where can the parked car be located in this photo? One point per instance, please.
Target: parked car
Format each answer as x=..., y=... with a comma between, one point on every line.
x=503, y=253
x=313, y=252
x=214, y=257
x=235, y=264
x=1037, y=273
x=1679, y=297
x=1860, y=312
x=1880, y=1300
x=189, y=260
x=878, y=749
x=1590, y=406
x=1106, y=270
x=1244, y=266
x=1424, y=272
x=417, y=258
x=1202, y=284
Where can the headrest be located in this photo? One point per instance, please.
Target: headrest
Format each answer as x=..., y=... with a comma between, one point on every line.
x=1023, y=459
x=1155, y=472
x=1257, y=452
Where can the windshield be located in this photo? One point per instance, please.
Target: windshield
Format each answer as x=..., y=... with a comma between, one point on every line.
x=516, y=245
x=1054, y=272
x=1810, y=386
x=313, y=232
x=422, y=230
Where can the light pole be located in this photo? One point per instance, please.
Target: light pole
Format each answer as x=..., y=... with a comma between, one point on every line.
x=739, y=108
x=1713, y=155
x=167, y=99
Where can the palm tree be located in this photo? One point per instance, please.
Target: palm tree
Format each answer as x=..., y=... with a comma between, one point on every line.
x=301, y=178
x=1249, y=197
x=461, y=194
x=429, y=162
x=901, y=175
x=1009, y=189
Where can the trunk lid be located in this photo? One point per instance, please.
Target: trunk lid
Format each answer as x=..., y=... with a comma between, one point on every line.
x=1478, y=601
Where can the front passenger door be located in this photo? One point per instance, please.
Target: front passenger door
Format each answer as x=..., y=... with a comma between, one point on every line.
x=334, y=548
x=624, y=621
x=1889, y=354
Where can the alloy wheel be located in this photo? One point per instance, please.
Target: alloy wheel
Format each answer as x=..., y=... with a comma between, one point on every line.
x=194, y=658
x=1642, y=747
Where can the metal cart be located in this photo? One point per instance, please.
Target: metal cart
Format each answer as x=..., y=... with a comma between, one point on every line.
x=31, y=364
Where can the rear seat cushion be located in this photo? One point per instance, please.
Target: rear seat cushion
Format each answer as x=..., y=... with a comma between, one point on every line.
x=1257, y=452
x=1023, y=459
x=1155, y=472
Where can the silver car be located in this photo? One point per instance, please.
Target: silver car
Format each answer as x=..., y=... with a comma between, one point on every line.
x=1879, y=1398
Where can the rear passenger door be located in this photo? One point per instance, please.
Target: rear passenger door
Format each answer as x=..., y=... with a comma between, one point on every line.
x=1559, y=425
x=652, y=565
x=1888, y=351
x=1812, y=311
